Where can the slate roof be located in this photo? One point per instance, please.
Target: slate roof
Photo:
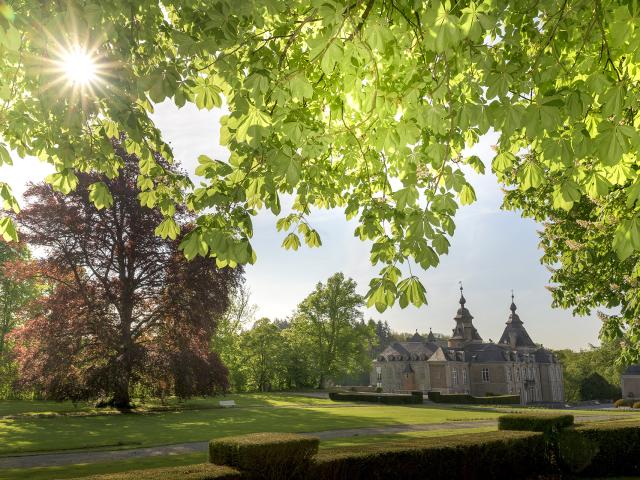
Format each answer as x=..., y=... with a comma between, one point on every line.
x=515, y=335
x=632, y=370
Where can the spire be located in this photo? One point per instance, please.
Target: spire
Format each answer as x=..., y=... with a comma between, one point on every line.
x=464, y=331
x=515, y=335
x=431, y=337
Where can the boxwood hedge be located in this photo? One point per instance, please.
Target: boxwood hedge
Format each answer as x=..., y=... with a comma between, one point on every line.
x=265, y=455
x=535, y=423
x=386, y=398
x=492, y=455
x=464, y=398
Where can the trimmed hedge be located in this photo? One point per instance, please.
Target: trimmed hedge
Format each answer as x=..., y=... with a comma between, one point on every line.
x=535, y=423
x=601, y=449
x=387, y=398
x=494, y=455
x=265, y=455
x=204, y=471
x=464, y=398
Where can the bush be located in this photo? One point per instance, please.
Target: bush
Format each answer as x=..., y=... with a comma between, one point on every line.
x=601, y=449
x=386, y=398
x=204, y=471
x=265, y=455
x=623, y=402
x=492, y=455
x=535, y=423
x=636, y=405
x=464, y=398
x=595, y=387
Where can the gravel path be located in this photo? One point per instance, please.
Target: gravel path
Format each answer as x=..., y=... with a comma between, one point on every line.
x=69, y=458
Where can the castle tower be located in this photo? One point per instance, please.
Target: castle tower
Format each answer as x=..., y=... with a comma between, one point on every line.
x=464, y=331
x=515, y=335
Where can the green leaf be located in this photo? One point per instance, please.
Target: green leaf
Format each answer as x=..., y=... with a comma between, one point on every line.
x=411, y=291
x=8, y=230
x=503, y=161
x=627, y=238
x=5, y=157
x=597, y=185
x=530, y=175
x=100, y=195
x=566, y=194
x=64, y=181
x=291, y=242
x=467, y=195
x=331, y=56
x=405, y=197
x=193, y=244
x=300, y=87
x=168, y=228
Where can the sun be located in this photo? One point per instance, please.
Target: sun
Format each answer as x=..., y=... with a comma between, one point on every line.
x=79, y=67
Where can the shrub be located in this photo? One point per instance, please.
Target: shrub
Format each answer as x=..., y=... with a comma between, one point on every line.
x=623, y=402
x=265, y=455
x=595, y=387
x=636, y=405
x=204, y=471
x=464, y=398
x=386, y=398
x=535, y=423
x=601, y=449
x=492, y=455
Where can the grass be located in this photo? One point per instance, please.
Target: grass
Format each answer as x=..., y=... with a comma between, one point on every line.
x=36, y=426
x=73, y=471
x=48, y=408
x=35, y=434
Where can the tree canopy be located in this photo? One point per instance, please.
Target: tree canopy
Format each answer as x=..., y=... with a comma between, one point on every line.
x=363, y=105
x=122, y=308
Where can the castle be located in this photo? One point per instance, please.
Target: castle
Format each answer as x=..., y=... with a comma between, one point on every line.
x=515, y=365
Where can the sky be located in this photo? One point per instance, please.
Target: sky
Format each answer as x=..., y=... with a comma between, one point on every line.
x=492, y=252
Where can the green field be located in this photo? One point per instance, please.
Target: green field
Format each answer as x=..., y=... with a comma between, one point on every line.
x=28, y=427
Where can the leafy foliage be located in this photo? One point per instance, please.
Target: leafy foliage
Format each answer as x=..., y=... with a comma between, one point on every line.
x=365, y=106
x=122, y=307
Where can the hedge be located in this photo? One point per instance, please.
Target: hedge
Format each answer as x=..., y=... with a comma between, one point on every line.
x=386, y=398
x=601, y=449
x=464, y=398
x=492, y=455
x=265, y=455
x=204, y=471
x=535, y=423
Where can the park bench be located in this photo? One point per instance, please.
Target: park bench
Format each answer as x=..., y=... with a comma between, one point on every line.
x=227, y=403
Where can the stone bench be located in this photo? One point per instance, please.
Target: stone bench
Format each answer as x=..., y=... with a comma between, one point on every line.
x=227, y=403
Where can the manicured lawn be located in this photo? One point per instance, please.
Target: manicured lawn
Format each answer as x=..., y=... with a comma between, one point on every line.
x=41, y=407
x=32, y=434
x=73, y=471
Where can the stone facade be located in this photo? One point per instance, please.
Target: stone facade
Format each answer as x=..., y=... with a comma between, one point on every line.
x=630, y=382
x=466, y=364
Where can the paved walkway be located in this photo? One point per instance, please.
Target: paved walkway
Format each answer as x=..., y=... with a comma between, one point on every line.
x=69, y=458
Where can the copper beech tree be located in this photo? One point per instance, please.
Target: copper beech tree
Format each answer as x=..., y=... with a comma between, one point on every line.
x=123, y=307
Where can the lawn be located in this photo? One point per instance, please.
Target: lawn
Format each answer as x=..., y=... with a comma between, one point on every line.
x=60, y=432
x=73, y=471
x=36, y=426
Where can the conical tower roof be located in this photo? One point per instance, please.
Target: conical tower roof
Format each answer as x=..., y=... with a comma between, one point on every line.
x=515, y=335
x=464, y=331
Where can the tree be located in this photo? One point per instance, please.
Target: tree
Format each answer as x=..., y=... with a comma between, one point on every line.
x=14, y=292
x=366, y=106
x=227, y=341
x=330, y=327
x=579, y=368
x=123, y=307
x=262, y=348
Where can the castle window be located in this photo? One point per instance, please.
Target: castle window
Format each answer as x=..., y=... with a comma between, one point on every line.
x=485, y=375
x=454, y=376
x=508, y=375
x=465, y=377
